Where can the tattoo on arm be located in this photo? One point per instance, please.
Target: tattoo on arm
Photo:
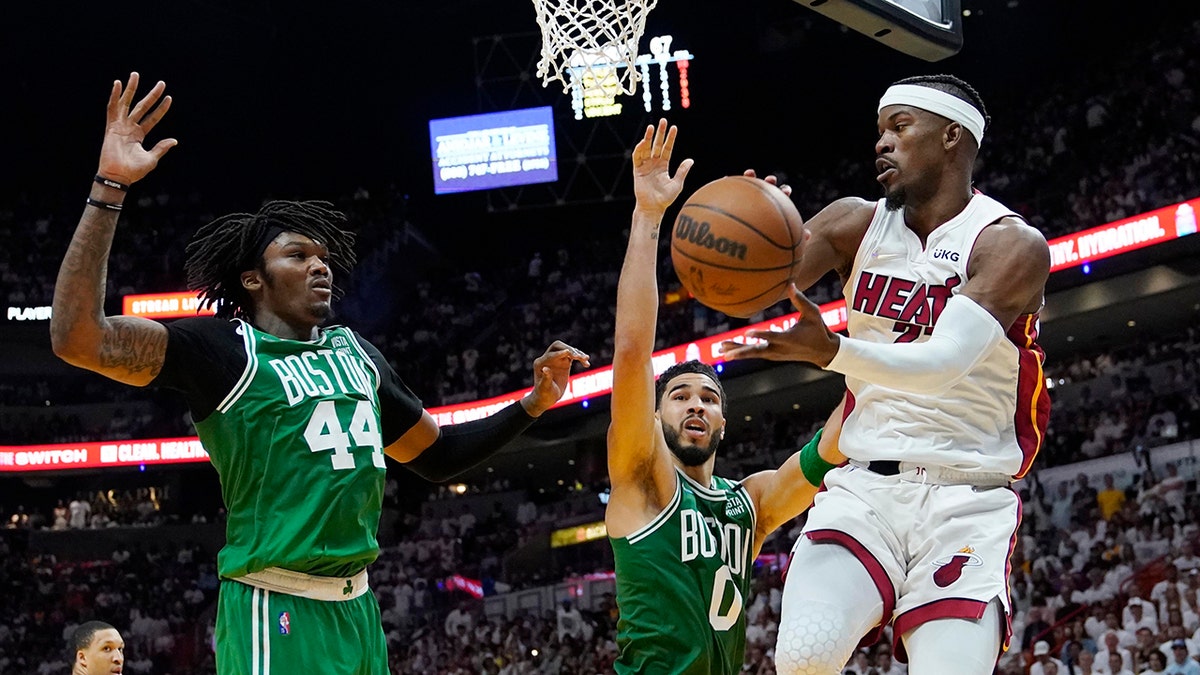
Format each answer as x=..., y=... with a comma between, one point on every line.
x=134, y=346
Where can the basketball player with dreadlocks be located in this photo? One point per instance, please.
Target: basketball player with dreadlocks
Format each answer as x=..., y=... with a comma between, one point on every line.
x=945, y=404
x=296, y=416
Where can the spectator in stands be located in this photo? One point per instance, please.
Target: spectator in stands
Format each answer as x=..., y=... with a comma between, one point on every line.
x=569, y=621
x=1187, y=561
x=1181, y=663
x=1113, y=650
x=1044, y=663
x=1156, y=662
x=1171, y=490
x=1140, y=614
x=1117, y=666
x=1145, y=647
x=459, y=617
x=1110, y=499
x=99, y=649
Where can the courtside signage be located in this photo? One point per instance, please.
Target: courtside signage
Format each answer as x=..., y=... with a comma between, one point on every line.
x=1131, y=234
x=103, y=454
x=165, y=305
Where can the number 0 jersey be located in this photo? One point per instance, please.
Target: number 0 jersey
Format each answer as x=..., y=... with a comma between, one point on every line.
x=296, y=437
x=682, y=581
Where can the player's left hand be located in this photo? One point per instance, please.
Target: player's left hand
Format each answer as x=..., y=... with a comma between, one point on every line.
x=653, y=185
x=773, y=180
x=809, y=340
x=551, y=371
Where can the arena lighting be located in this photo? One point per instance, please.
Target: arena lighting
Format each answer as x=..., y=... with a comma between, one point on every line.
x=1073, y=250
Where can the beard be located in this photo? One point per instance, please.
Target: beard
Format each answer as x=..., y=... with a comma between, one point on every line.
x=895, y=199
x=690, y=454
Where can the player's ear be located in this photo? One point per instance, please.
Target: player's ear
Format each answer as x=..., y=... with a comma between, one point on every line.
x=952, y=135
x=252, y=280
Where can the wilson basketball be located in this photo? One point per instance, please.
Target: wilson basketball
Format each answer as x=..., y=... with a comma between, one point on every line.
x=736, y=243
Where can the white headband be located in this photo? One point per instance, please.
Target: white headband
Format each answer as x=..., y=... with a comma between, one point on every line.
x=938, y=102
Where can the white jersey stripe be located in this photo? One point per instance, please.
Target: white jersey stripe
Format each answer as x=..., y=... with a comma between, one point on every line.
x=248, y=372
x=255, y=633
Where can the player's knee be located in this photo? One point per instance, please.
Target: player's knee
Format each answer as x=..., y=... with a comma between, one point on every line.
x=814, y=641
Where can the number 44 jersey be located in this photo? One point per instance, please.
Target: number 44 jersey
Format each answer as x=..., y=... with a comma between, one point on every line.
x=297, y=438
x=683, y=581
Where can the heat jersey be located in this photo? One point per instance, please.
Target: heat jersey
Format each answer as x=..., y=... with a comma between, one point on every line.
x=682, y=582
x=995, y=418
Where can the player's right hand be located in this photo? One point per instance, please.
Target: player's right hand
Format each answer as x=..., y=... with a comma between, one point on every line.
x=809, y=339
x=123, y=157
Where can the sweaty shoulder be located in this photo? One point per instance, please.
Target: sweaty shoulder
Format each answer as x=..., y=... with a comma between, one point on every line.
x=205, y=357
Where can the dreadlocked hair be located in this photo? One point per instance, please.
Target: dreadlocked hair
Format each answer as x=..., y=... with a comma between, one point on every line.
x=221, y=250
x=955, y=87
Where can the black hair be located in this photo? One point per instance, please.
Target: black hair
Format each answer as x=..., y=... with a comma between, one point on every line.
x=82, y=636
x=688, y=367
x=221, y=250
x=954, y=86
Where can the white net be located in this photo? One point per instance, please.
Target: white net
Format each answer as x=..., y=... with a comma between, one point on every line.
x=590, y=44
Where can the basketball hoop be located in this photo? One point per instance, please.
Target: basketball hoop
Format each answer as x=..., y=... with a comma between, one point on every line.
x=587, y=43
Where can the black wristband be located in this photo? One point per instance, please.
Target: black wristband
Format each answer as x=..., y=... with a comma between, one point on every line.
x=107, y=206
x=108, y=182
x=462, y=446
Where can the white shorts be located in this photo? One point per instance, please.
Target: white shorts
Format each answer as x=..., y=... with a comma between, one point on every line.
x=934, y=551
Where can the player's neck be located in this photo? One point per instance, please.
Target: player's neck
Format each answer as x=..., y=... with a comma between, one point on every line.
x=923, y=216
x=273, y=324
x=701, y=474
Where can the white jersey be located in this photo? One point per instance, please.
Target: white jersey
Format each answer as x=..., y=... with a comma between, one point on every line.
x=993, y=420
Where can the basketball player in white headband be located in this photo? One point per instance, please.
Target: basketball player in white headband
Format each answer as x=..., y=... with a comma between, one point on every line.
x=945, y=403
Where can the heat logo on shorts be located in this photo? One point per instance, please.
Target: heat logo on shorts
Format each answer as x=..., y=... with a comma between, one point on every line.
x=285, y=623
x=950, y=568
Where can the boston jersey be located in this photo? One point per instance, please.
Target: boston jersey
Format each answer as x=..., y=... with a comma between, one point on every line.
x=297, y=439
x=995, y=418
x=683, y=580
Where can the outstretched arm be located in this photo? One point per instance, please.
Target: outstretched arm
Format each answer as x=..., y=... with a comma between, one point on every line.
x=439, y=454
x=1009, y=267
x=782, y=494
x=639, y=468
x=126, y=349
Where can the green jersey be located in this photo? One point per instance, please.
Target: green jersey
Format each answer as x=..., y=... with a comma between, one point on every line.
x=297, y=440
x=682, y=581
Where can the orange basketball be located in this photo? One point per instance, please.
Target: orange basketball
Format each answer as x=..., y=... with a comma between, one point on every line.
x=736, y=244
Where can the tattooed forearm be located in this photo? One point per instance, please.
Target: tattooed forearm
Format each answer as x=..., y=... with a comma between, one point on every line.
x=133, y=346
x=79, y=290
x=127, y=349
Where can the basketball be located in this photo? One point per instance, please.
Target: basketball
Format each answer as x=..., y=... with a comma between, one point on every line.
x=736, y=243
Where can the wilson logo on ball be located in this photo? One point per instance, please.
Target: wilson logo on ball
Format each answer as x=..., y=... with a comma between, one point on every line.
x=698, y=233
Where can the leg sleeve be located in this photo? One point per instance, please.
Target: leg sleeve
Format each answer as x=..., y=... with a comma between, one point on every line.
x=829, y=603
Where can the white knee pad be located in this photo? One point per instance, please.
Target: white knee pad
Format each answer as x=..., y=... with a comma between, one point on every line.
x=829, y=604
x=818, y=641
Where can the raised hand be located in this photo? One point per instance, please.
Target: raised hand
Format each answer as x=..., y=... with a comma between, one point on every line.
x=551, y=371
x=123, y=158
x=809, y=340
x=653, y=184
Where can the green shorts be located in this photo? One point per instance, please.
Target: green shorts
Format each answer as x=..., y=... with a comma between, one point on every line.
x=262, y=632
